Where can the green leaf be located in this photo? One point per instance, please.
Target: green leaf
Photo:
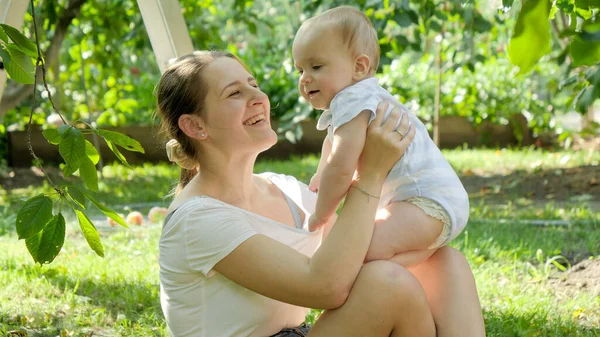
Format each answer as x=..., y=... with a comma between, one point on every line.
x=33, y=216
x=19, y=66
x=584, y=52
x=69, y=169
x=91, y=152
x=585, y=98
x=24, y=44
x=403, y=19
x=531, y=38
x=117, y=153
x=590, y=32
x=52, y=136
x=107, y=211
x=122, y=140
x=481, y=25
x=435, y=26
x=507, y=3
x=32, y=244
x=87, y=172
x=76, y=195
x=587, y=3
x=3, y=35
x=586, y=14
x=51, y=242
x=90, y=233
x=72, y=149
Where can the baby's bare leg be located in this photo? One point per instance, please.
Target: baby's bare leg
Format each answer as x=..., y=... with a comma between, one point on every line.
x=403, y=232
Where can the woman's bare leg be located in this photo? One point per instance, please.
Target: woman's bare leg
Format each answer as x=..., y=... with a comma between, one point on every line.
x=452, y=294
x=386, y=300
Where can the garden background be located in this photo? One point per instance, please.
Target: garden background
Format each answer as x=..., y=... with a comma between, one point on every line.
x=513, y=108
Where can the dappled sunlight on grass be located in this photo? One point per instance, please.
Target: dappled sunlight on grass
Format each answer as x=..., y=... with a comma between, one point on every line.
x=514, y=263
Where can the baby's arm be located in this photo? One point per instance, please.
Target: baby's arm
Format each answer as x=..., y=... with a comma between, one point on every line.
x=315, y=181
x=348, y=142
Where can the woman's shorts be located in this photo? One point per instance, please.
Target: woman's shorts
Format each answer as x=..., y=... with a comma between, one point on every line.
x=300, y=331
x=436, y=211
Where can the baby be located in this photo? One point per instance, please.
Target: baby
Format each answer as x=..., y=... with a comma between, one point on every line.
x=423, y=204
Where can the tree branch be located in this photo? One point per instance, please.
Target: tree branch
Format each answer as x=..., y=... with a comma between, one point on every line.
x=14, y=97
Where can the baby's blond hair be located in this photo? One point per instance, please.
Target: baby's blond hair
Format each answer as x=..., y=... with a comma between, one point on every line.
x=355, y=29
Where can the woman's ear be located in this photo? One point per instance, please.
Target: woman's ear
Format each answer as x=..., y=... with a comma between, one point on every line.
x=362, y=65
x=192, y=126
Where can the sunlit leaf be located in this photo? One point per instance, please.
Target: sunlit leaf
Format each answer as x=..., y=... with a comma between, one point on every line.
x=76, y=195
x=19, y=66
x=51, y=242
x=91, y=152
x=122, y=140
x=117, y=153
x=3, y=35
x=33, y=216
x=52, y=136
x=531, y=38
x=90, y=233
x=87, y=172
x=72, y=149
x=25, y=45
x=107, y=211
x=32, y=244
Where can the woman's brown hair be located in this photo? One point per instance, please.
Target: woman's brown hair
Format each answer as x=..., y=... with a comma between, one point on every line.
x=182, y=90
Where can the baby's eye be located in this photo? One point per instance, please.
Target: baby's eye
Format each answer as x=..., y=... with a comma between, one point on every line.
x=316, y=67
x=299, y=71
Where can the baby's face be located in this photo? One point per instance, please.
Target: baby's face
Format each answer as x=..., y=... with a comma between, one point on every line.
x=324, y=64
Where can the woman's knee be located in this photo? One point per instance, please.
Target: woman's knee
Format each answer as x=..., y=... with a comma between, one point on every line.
x=450, y=257
x=391, y=284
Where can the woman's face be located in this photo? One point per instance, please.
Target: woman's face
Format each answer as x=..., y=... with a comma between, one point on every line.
x=237, y=114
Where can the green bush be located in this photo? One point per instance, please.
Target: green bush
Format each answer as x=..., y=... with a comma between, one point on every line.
x=493, y=92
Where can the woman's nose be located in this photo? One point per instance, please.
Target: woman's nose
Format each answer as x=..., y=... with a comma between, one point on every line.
x=259, y=97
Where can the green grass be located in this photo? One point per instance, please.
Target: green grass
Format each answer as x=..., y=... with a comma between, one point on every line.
x=485, y=162
x=81, y=293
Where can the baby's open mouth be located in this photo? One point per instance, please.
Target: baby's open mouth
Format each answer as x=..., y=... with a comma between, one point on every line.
x=312, y=92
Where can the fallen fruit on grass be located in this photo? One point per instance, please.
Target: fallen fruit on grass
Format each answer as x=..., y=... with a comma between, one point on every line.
x=111, y=222
x=135, y=218
x=157, y=214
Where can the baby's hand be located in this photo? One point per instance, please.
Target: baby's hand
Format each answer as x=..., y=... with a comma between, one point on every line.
x=314, y=183
x=315, y=223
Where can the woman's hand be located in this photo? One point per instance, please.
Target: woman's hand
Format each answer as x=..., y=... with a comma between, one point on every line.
x=385, y=144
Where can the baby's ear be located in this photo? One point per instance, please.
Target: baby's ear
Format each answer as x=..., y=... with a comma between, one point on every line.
x=362, y=65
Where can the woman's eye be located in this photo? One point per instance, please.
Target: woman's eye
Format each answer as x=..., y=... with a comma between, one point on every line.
x=234, y=93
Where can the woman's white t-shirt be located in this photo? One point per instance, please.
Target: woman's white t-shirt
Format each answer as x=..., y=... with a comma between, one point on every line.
x=198, y=301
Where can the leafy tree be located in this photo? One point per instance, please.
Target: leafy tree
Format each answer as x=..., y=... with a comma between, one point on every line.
x=573, y=25
x=40, y=221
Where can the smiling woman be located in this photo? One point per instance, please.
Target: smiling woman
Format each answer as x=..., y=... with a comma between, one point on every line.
x=236, y=257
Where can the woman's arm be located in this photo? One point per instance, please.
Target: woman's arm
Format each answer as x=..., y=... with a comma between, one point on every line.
x=275, y=270
x=348, y=142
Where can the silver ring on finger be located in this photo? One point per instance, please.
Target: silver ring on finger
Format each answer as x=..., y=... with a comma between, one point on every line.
x=400, y=133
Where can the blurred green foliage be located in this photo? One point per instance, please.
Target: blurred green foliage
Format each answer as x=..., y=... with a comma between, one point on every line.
x=106, y=70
